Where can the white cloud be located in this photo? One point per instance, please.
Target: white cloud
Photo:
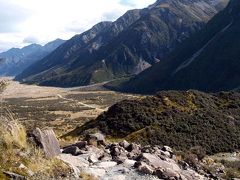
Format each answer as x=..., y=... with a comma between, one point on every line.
x=31, y=40
x=11, y=16
x=46, y=20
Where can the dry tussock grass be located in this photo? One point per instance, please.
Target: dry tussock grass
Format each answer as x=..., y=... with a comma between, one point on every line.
x=19, y=155
x=13, y=133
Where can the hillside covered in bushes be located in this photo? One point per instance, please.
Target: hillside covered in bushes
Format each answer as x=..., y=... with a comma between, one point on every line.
x=179, y=119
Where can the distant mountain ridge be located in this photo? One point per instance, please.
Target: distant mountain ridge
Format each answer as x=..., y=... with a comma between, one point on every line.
x=15, y=60
x=209, y=61
x=131, y=44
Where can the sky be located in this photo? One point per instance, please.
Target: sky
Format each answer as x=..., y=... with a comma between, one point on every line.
x=23, y=22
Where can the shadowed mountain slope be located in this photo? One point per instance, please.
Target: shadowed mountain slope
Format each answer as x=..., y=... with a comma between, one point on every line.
x=209, y=61
x=131, y=44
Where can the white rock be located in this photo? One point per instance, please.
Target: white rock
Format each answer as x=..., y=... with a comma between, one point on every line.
x=116, y=177
x=30, y=173
x=166, y=148
x=191, y=175
x=75, y=162
x=124, y=144
x=96, y=172
x=166, y=153
x=146, y=169
x=129, y=163
x=92, y=159
x=107, y=164
x=156, y=162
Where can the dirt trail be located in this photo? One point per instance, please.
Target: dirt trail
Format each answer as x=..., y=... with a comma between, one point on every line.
x=81, y=103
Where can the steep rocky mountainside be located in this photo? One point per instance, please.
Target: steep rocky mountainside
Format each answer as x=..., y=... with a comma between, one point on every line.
x=181, y=120
x=134, y=42
x=15, y=60
x=209, y=61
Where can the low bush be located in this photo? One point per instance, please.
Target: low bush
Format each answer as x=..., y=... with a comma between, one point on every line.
x=181, y=120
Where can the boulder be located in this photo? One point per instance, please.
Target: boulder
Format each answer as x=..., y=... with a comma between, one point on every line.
x=120, y=159
x=26, y=169
x=146, y=169
x=14, y=176
x=122, y=170
x=93, y=158
x=167, y=174
x=75, y=162
x=84, y=156
x=73, y=150
x=48, y=141
x=124, y=144
x=96, y=139
x=148, y=149
x=134, y=151
x=80, y=145
x=116, y=177
x=97, y=173
x=156, y=162
x=118, y=153
x=98, y=152
x=166, y=148
x=134, y=148
x=105, y=157
x=133, y=156
x=183, y=164
x=115, y=151
x=82, y=151
x=129, y=163
x=192, y=175
x=107, y=164
x=166, y=153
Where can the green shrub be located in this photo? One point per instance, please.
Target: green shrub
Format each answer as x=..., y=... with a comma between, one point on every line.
x=181, y=120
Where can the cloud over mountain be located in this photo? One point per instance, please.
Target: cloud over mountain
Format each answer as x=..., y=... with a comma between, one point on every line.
x=47, y=20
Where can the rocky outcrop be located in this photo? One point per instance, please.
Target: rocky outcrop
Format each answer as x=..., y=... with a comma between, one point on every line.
x=48, y=142
x=126, y=161
x=95, y=139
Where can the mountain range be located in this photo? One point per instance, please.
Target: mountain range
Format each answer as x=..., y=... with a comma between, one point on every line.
x=131, y=44
x=208, y=61
x=15, y=60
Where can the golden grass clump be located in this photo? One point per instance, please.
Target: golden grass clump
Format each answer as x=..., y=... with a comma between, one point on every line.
x=3, y=85
x=21, y=156
x=13, y=134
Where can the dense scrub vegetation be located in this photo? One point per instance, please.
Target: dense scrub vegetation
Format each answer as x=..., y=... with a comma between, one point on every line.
x=179, y=119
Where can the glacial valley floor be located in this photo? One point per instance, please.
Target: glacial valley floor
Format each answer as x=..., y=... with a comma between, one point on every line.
x=62, y=109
